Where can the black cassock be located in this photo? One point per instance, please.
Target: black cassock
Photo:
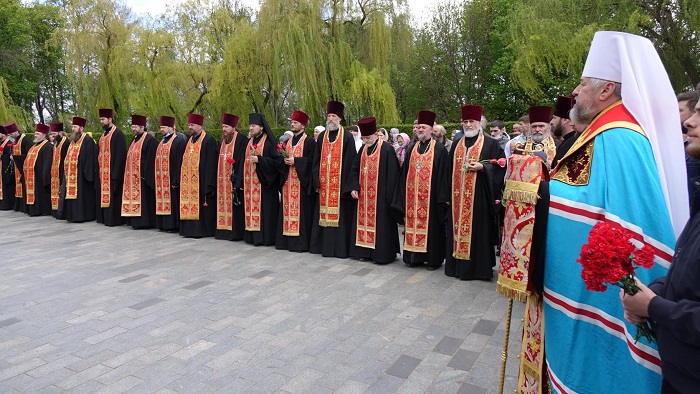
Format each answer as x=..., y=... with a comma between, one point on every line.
x=484, y=219
x=206, y=225
x=172, y=222
x=148, y=184
x=303, y=167
x=266, y=170
x=59, y=213
x=7, y=203
x=387, y=244
x=237, y=231
x=21, y=203
x=334, y=241
x=84, y=208
x=564, y=147
x=112, y=215
x=42, y=182
x=440, y=194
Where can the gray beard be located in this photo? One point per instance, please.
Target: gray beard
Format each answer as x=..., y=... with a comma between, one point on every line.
x=332, y=126
x=537, y=138
x=581, y=115
x=423, y=137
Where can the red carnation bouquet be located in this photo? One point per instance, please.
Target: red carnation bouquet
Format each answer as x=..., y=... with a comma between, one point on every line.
x=254, y=150
x=230, y=160
x=282, y=151
x=610, y=258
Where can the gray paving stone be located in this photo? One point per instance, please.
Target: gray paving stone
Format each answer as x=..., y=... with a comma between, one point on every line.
x=133, y=278
x=448, y=345
x=468, y=388
x=485, y=327
x=198, y=285
x=146, y=304
x=403, y=367
x=261, y=274
x=463, y=359
x=9, y=322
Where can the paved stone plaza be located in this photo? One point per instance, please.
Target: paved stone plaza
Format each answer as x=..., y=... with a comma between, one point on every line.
x=88, y=308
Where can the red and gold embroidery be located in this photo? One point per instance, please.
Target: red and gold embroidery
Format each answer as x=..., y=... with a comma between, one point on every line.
x=575, y=167
x=189, y=179
x=103, y=160
x=162, y=170
x=418, y=184
x=56, y=174
x=366, y=233
x=131, y=192
x=17, y=152
x=224, y=187
x=252, y=189
x=291, y=193
x=463, y=187
x=532, y=347
x=330, y=176
x=29, y=173
x=2, y=149
x=70, y=168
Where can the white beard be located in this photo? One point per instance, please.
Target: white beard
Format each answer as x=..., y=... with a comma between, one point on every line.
x=470, y=134
x=332, y=126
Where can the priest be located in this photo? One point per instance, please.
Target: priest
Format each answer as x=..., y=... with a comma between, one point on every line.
x=260, y=183
x=230, y=209
x=81, y=171
x=335, y=152
x=372, y=183
x=58, y=179
x=138, y=193
x=168, y=162
x=7, y=174
x=19, y=153
x=422, y=197
x=37, y=173
x=198, y=182
x=298, y=198
x=475, y=177
x=111, y=158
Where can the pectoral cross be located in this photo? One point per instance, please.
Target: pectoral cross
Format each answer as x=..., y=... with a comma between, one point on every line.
x=418, y=167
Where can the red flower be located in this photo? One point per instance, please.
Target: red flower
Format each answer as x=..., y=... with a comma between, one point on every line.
x=205, y=204
x=9, y=145
x=280, y=148
x=254, y=150
x=230, y=160
x=609, y=258
x=499, y=162
x=282, y=151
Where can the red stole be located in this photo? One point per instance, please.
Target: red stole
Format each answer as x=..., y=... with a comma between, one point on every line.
x=70, y=168
x=103, y=159
x=16, y=152
x=56, y=174
x=224, y=187
x=463, y=186
x=291, y=193
x=131, y=192
x=252, y=189
x=189, y=179
x=162, y=170
x=2, y=149
x=330, y=177
x=366, y=223
x=418, y=184
x=29, y=173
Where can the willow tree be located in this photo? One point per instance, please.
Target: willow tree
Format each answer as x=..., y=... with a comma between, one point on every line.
x=370, y=95
x=550, y=50
x=9, y=112
x=96, y=39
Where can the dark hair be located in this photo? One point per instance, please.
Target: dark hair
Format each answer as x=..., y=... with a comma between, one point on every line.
x=355, y=128
x=524, y=119
x=691, y=97
x=498, y=123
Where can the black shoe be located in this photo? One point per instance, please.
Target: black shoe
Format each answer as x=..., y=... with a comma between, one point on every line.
x=432, y=268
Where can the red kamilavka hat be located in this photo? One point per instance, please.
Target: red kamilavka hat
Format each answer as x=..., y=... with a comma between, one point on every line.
x=367, y=126
x=302, y=117
x=335, y=107
x=426, y=117
x=138, y=120
x=540, y=114
x=55, y=126
x=10, y=127
x=472, y=112
x=563, y=106
x=231, y=120
x=167, y=121
x=106, y=113
x=41, y=128
x=78, y=121
x=195, y=119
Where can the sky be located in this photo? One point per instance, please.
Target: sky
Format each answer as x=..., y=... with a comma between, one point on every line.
x=420, y=9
